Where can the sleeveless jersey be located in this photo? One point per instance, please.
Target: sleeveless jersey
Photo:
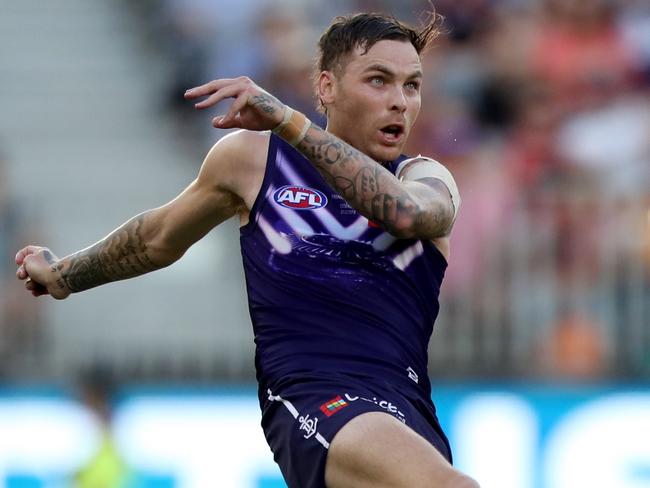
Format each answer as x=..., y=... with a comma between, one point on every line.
x=330, y=292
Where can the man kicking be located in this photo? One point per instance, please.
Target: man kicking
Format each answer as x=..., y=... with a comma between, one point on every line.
x=345, y=242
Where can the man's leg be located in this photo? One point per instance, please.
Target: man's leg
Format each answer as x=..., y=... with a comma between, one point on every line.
x=375, y=450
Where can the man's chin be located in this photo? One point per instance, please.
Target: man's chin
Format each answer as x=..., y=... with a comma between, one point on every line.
x=386, y=154
x=382, y=153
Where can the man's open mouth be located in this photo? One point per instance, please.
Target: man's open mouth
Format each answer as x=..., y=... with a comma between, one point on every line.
x=393, y=131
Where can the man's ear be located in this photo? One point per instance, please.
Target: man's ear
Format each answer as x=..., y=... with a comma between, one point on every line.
x=326, y=88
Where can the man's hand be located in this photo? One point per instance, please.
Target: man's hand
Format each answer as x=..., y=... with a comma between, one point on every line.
x=41, y=271
x=253, y=108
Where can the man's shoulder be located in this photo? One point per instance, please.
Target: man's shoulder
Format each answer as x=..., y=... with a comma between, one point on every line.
x=237, y=162
x=241, y=146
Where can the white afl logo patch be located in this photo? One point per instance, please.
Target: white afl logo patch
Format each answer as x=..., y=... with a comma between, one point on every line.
x=300, y=198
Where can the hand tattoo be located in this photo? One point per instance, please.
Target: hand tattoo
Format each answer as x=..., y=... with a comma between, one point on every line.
x=265, y=102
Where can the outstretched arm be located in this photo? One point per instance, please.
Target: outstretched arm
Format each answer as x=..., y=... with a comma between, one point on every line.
x=152, y=240
x=421, y=209
x=124, y=253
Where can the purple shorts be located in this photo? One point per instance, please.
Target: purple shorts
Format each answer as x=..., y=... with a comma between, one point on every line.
x=301, y=417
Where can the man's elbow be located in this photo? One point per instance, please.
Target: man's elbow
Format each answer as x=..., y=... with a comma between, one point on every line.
x=430, y=223
x=164, y=258
x=402, y=229
x=164, y=251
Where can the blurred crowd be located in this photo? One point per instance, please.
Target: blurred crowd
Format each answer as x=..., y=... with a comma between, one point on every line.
x=541, y=110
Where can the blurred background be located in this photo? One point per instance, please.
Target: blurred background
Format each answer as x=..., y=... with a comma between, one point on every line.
x=541, y=110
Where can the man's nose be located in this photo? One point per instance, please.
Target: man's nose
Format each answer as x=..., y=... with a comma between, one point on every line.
x=398, y=100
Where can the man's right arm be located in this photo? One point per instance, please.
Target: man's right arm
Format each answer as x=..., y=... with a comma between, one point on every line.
x=151, y=240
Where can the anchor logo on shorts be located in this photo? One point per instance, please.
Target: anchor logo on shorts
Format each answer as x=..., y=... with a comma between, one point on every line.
x=308, y=425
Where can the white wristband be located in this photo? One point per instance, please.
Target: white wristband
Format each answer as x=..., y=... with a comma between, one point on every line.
x=294, y=126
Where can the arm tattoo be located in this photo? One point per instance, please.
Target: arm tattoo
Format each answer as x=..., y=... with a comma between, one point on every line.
x=370, y=188
x=265, y=102
x=123, y=254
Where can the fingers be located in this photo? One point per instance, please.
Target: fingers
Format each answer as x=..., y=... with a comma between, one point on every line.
x=228, y=121
x=26, y=251
x=22, y=259
x=209, y=88
x=230, y=91
x=36, y=288
x=21, y=274
x=252, y=108
x=32, y=285
x=202, y=90
x=221, y=123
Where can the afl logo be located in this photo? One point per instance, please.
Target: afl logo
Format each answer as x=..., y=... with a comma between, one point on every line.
x=300, y=198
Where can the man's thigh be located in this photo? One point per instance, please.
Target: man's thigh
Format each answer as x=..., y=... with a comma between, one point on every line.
x=300, y=420
x=375, y=450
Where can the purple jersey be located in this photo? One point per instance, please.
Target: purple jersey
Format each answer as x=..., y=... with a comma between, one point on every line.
x=330, y=292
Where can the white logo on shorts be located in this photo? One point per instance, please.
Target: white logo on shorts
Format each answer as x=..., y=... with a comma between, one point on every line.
x=412, y=374
x=308, y=425
x=388, y=406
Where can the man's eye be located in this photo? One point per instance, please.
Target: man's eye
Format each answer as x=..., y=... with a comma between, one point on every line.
x=377, y=81
x=413, y=85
